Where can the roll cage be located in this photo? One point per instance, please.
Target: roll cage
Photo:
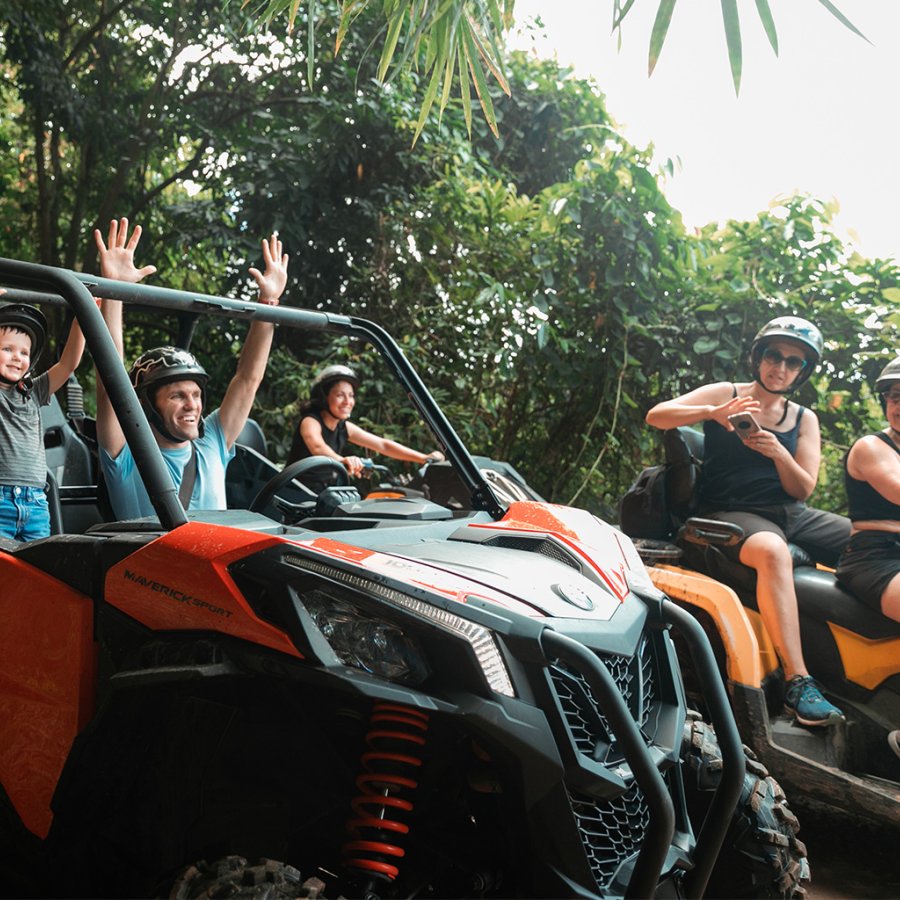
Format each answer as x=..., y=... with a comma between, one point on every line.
x=39, y=284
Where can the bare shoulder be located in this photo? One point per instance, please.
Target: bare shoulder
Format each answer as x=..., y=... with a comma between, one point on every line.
x=802, y=414
x=721, y=391
x=870, y=447
x=310, y=424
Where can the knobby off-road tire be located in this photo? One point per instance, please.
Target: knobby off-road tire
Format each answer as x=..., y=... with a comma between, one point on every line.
x=761, y=855
x=233, y=877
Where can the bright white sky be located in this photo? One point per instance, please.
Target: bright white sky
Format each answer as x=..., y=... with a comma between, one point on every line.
x=822, y=118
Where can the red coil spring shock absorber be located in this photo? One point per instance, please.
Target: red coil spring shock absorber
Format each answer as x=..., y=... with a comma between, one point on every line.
x=395, y=737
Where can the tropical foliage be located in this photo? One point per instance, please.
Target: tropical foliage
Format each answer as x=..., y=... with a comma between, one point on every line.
x=540, y=280
x=459, y=42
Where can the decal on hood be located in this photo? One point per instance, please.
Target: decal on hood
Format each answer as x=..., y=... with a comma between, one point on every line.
x=174, y=593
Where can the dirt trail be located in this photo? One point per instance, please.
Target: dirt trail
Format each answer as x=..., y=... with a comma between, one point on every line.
x=850, y=862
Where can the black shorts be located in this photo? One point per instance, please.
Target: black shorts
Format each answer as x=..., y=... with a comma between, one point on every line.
x=823, y=535
x=869, y=564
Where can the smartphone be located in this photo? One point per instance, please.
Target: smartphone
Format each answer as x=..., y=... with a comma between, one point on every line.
x=744, y=424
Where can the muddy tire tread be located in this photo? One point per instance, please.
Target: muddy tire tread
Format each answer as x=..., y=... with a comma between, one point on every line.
x=762, y=855
x=233, y=877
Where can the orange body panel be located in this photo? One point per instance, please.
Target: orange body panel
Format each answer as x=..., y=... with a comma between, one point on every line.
x=180, y=582
x=570, y=527
x=48, y=669
x=866, y=662
x=748, y=651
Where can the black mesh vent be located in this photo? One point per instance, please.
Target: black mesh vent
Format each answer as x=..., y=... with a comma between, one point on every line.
x=535, y=545
x=636, y=679
x=611, y=831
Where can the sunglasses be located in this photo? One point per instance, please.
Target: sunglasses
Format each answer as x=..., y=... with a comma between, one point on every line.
x=891, y=396
x=776, y=358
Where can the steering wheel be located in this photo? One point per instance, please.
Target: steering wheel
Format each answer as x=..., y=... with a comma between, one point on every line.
x=298, y=469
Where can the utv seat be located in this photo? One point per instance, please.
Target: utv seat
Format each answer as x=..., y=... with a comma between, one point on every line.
x=252, y=436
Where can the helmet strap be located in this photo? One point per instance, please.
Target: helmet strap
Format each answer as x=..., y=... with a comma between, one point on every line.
x=784, y=393
x=156, y=421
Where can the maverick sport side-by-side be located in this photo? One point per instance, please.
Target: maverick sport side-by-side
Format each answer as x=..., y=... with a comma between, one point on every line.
x=410, y=694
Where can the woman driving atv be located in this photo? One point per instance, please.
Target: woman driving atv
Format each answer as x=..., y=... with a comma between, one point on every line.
x=325, y=427
x=758, y=476
x=870, y=565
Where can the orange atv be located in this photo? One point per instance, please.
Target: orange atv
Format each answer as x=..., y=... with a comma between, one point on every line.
x=451, y=693
x=853, y=651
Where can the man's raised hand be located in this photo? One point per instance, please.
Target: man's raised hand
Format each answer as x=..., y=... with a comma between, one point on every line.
x=117, y=253
x=271, y=282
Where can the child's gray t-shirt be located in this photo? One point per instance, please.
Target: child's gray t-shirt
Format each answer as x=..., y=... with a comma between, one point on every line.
x=22, y=458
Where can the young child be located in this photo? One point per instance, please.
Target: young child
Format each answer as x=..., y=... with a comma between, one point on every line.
x=24, y=515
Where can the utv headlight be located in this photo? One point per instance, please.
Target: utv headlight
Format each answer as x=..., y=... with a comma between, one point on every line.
x=402, y=645
x=371, y=644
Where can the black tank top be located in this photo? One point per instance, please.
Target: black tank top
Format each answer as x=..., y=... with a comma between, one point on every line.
x=735, y=477
x=863, y=501
x=336, y=438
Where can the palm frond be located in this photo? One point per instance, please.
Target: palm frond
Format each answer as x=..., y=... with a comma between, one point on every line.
x=733, y=39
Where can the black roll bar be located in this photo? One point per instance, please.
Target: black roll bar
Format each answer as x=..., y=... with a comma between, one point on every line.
x=483, y=496
x=147, y=455
x=48, y=279
x=728, y=793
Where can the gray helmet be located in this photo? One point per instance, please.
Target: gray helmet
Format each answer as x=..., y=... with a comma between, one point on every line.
x=791, y=328
x=163, y=365
x=890, y=375
x=321, y=384
x=31, y=321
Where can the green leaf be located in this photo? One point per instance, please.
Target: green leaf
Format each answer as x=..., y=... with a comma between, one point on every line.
x=765, y=16
x=465, y=90
x=733, y=39
x=310, y=38
x=620, y=13
x=891, y=294
x=481, y=88
x=706, y=345
x=658, y=35
x=470, y=33
x=390, y=43
x=427, y=101
x=843, y=19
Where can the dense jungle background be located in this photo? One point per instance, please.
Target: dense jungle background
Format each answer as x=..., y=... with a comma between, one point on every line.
x=539, y=281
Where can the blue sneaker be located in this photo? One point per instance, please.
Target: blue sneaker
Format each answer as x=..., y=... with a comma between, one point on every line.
x=804, y=700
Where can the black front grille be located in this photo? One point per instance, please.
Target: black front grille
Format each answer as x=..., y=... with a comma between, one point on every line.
x=613, y=829
x=636, y=679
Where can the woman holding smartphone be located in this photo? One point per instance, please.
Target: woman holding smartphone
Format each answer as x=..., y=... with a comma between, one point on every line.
x=760, y=463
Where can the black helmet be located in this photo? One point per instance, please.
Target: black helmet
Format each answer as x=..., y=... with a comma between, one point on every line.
x=791, y=328
x=163, y=365
x=321, y=384
x=890, y=375
x=29, y=319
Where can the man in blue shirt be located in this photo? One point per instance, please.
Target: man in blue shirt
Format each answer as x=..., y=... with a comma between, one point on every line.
x=171, y=385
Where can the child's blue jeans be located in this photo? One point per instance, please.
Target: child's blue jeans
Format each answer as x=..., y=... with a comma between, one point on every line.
x=24, y=514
